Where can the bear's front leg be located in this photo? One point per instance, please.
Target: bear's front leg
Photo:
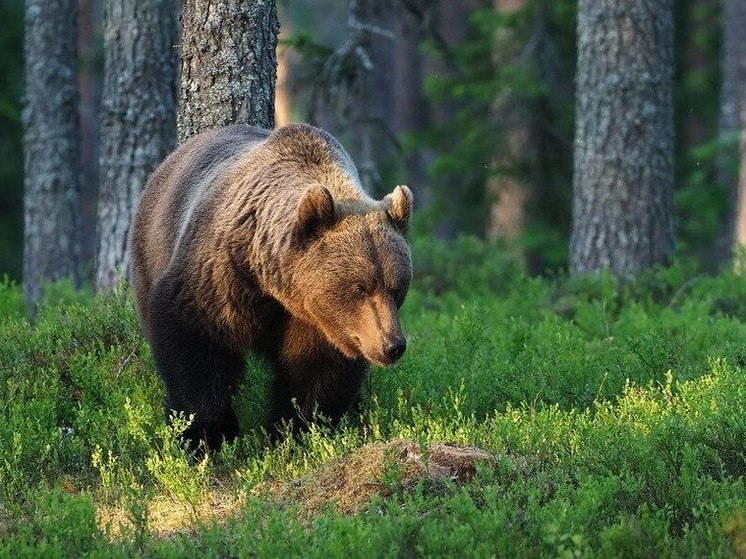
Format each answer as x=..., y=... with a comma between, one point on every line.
x=322, y=381
x=199, y=373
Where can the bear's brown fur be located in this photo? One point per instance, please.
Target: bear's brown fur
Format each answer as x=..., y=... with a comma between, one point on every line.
x=251, y=239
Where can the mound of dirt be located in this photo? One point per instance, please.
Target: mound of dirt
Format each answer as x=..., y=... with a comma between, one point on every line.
x=349, y=483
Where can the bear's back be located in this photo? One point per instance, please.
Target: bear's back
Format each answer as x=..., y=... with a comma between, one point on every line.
x=173, y=193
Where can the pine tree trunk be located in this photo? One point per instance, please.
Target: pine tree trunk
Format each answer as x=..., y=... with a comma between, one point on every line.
x=733, y=117
x=228, y=64
x=510, y=188
x=283, y=100
x=410, y=107
x=623, y=181
x=138, y=119
x=371, y=95
x=90, y=88
x=51, y=145
x=741, y=196
x=453, y=26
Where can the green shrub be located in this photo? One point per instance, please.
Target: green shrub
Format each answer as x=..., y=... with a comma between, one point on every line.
x=616, y=412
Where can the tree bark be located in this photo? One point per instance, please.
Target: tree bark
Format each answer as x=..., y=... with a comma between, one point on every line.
x=623, y=180
x=733, y=117
x=370, y=96
x=453, y=27
x=283, y=100
x=741, y=196
x=51, y=145
x=410, y=106
x=90, y=86
x=138, y=119
x=228, y=64
x=510, y=188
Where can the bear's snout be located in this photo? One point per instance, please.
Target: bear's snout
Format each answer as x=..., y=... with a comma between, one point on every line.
x=380, y=335
x=394, y=348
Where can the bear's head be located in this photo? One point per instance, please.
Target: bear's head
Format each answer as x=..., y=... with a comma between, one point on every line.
x=354, y=269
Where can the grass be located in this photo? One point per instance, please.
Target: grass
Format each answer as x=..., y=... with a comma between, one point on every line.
x=616, y=413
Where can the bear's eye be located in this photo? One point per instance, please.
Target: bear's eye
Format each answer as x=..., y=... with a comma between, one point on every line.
x=359, y=290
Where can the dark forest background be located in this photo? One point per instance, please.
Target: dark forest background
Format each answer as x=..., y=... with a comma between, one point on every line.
x=463, y=100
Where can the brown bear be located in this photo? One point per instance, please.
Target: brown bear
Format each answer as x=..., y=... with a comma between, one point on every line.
x=253, y=239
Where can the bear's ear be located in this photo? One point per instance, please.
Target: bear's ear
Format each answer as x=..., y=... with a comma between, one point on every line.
x=398, y=205
x=316, y=213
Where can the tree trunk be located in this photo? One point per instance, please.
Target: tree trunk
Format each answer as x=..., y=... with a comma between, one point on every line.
x=510, y=188
x=138, y=119
x=283, y=100
x=371, y=96
x=51, y=145
x=623, y=180
x=410, y=106
x=733, y=117
x=741, y=196
x=228, y=64
x=90, y=82
x=453, y=27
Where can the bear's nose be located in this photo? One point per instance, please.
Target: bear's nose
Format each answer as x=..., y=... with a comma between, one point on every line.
x=395, y=348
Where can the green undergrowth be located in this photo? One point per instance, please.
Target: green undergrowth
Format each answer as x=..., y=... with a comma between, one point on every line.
x=616, y=413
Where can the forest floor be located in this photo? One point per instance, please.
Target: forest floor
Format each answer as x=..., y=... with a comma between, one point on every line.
x=570, y=417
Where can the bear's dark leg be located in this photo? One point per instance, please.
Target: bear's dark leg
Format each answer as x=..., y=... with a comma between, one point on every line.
x=328, y=384
x=199, y=374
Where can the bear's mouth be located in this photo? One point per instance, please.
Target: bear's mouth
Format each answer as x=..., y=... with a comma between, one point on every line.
x=379, y=362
